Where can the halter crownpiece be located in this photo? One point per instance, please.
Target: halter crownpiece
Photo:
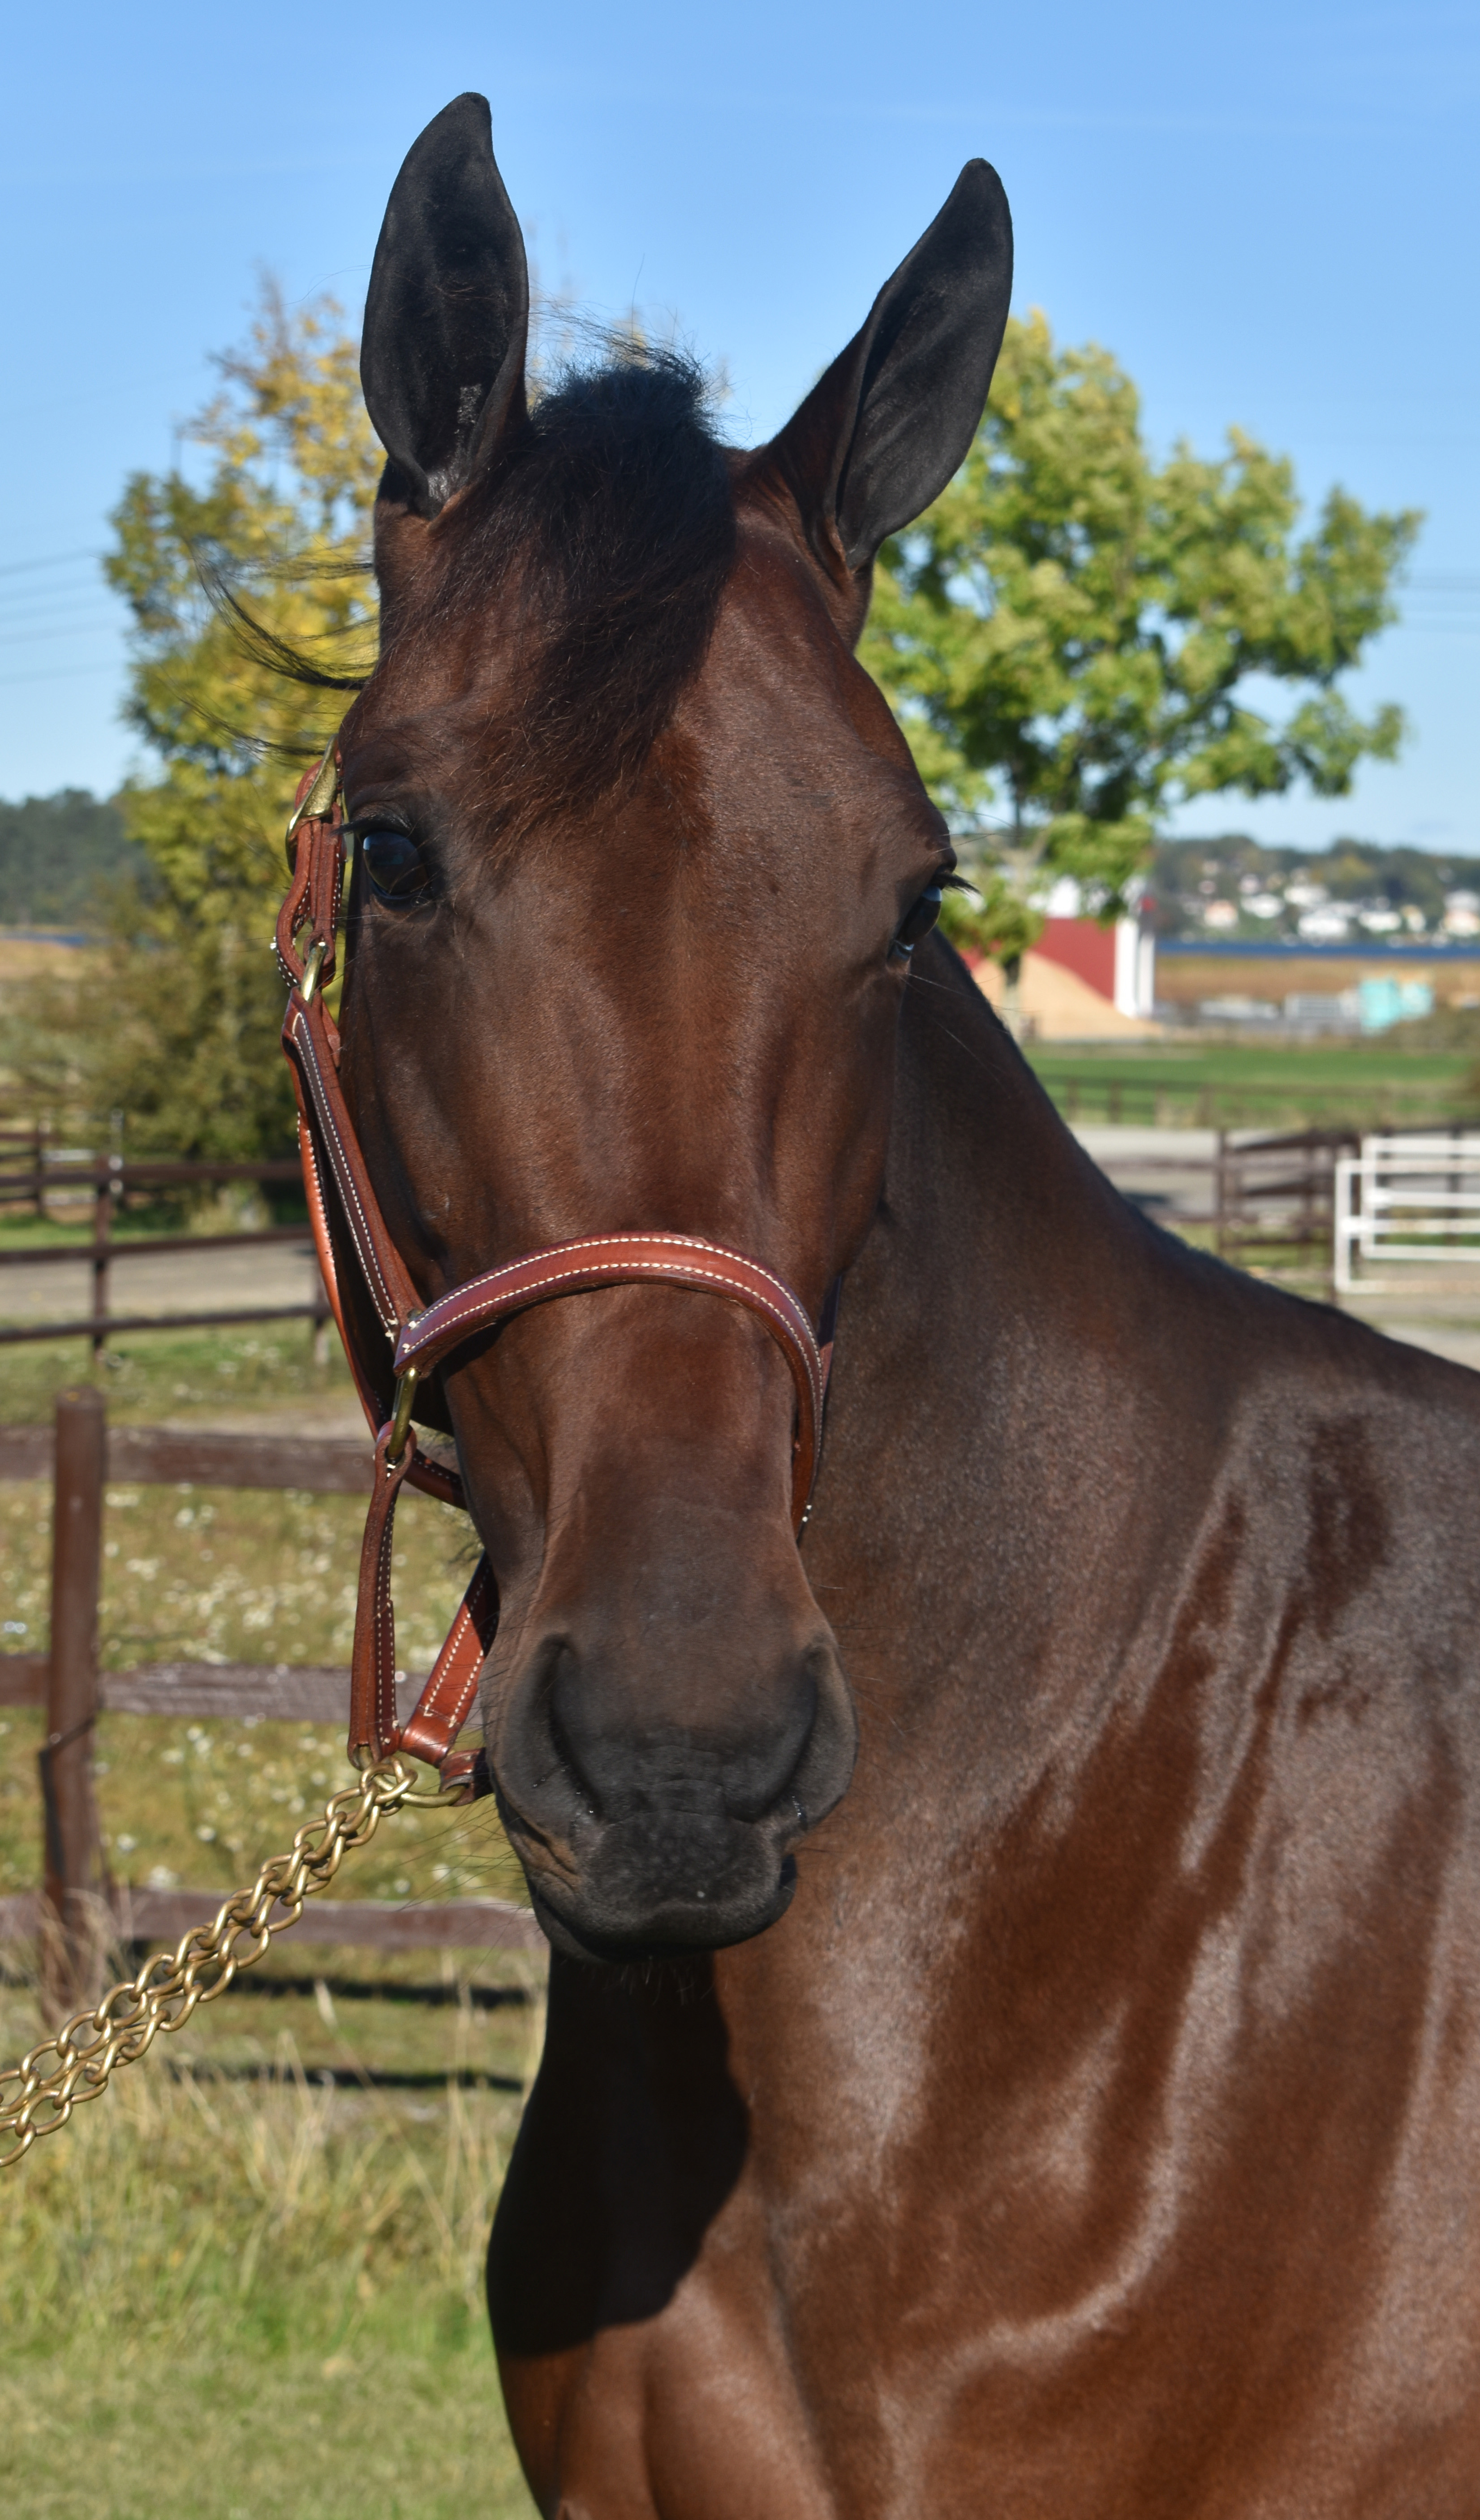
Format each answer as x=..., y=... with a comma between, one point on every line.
x=421, y=1336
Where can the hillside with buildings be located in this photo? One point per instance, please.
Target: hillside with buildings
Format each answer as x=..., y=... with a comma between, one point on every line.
x=1352, y=893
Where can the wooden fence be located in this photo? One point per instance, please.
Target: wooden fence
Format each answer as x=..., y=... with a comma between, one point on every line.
x=1266, y=1194
x=1272, y=1193
x=81, y=1454
x=106, y=1181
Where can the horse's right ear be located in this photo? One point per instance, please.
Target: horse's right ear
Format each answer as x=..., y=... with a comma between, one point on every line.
x=447, y=316
x=880, y=434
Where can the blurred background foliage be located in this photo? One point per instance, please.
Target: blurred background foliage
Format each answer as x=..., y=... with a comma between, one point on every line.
x=58, y=855
x=1070, y=634
x=174, y=1021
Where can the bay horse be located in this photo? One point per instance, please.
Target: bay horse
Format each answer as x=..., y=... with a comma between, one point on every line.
x=1013, y=2042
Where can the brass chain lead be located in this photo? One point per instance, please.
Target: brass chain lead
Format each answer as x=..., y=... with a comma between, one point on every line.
x=76, y=2064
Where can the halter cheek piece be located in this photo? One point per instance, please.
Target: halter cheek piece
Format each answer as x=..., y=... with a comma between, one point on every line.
x=421, y=1336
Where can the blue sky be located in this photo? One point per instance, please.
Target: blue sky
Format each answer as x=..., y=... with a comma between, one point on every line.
x=1267, y=214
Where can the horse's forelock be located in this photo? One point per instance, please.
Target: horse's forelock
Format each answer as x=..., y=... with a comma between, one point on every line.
x=598, y=554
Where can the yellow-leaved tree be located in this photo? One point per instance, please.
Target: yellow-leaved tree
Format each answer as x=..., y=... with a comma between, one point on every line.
x=238, y=571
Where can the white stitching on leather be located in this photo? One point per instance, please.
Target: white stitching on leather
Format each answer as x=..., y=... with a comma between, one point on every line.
x=383, y=1301
x=669, y=1243
x=370, y=1260
x=415, y=1339
x=427, y=1709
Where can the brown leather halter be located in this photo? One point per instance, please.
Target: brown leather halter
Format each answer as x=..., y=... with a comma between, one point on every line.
x=421, y=1335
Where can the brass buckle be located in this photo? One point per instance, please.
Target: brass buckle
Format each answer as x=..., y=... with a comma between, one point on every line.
x=320, y=795
x=312, y=967
x=400, y=1417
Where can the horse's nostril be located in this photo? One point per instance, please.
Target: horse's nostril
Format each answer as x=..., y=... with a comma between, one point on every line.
x=628, y=1753
x=565, y=1734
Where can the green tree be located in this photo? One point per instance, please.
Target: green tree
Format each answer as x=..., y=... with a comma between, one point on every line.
x=1068, y=635
x=229, y=577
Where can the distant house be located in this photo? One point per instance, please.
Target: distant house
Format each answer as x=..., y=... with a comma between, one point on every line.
x=1082, y=981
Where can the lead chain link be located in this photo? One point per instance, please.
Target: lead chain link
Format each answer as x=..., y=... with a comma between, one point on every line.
x=76, y=2064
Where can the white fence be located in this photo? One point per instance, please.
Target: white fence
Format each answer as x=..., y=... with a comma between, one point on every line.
x=1406, y=1199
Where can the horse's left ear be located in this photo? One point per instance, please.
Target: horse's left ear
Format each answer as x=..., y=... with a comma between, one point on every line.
x=447, y=316
x=880, y=434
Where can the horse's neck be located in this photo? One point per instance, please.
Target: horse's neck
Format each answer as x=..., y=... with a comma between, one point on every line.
x=1016, y=1455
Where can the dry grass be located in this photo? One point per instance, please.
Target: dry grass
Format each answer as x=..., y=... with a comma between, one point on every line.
x=278, y=2202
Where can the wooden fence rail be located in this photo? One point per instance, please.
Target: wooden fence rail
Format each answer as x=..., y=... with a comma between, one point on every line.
x=106, y=1180
x=1271, y=1191
x=78, y=1910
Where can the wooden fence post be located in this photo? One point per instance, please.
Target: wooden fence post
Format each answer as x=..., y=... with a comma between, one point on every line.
x=1220, y=1201
x=71, y=1922
x=103, y=1230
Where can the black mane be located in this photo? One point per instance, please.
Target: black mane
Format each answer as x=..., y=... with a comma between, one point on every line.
x=608, y=534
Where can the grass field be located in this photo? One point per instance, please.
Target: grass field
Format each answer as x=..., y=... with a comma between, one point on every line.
x=248, y=2283
x=233, y=2290
x=1223, y=1084
x=394, y=2428
x=267, y=1373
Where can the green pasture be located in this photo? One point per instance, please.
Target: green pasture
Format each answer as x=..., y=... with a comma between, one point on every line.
x=1239, y=1085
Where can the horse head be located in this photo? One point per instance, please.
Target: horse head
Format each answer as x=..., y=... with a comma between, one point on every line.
x=641, y=860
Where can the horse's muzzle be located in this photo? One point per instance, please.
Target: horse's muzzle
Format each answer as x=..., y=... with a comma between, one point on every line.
x=650, y=1840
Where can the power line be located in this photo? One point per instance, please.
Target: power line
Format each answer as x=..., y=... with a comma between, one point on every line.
x=17, y=601
x=84, y=606
x=59, y=606
x=61, y=674
x=64, y=630
x=52, y=559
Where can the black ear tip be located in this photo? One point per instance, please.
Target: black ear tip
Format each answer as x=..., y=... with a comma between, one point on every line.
x=467, y=118
x=977, y=216
x=980, y=182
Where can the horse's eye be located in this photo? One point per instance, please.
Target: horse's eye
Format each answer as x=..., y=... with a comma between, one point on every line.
x=397, y=870
x=917, y=920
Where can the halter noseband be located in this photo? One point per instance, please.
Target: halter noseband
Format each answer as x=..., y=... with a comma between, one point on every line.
x=421, y=1336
